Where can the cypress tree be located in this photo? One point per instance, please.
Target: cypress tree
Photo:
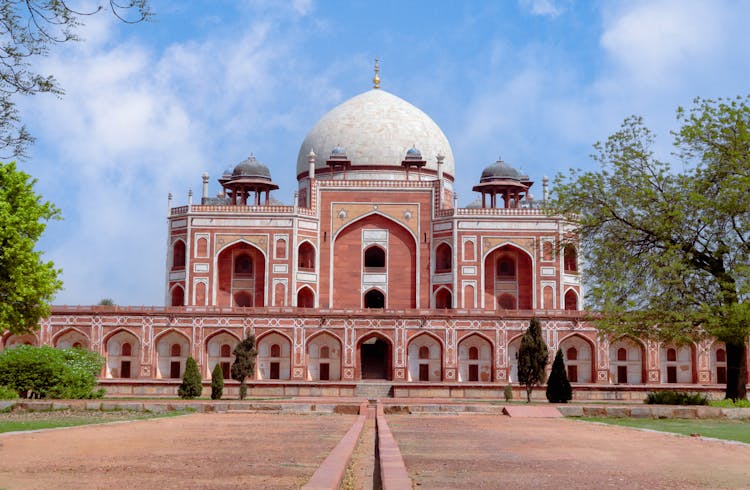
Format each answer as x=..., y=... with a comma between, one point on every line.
x=558, y=386
x=217, y=382
x=244, y=363
x=533, y=356
x=192, y=384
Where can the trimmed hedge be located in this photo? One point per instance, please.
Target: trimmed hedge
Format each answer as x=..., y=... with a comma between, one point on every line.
x=675, y=398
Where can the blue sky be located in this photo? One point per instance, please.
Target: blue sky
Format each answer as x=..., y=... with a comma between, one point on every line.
x=149, y=108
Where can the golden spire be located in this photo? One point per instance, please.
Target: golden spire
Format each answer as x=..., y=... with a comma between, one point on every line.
x=376, y=78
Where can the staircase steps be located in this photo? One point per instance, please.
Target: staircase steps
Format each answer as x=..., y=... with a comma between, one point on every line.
x=374, y=391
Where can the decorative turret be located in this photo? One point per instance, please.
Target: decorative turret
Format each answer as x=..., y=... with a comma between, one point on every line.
x=414, y=159
x=500, y=178
x=247, y=177
x=338, y=160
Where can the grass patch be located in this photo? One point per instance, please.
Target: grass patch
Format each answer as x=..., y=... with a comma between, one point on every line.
x=15, y=421
x=729, y=430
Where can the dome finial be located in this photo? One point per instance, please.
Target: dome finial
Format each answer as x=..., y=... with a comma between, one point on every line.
x=376, y=78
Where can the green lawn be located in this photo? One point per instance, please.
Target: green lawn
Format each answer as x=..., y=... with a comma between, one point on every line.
x=61, y=418
x=730, y=430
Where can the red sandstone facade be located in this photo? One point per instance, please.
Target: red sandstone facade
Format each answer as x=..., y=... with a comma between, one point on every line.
x=373, y=273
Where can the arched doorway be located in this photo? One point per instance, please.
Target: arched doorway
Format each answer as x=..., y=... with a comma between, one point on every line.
x=375, y=358
x=374, y=299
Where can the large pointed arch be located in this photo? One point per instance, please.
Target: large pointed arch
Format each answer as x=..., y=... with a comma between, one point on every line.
x=225, y=289
x=520, y=285
x=401, y=287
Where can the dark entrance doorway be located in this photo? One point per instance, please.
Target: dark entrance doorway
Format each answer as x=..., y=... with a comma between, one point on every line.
x=374, y=355
x=325, y=371
x=374, y=299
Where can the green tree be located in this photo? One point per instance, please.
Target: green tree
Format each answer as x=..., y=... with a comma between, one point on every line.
x=244, y=363
x=558, y=386
x=192, y=384
x=46, y=372
x=217, y=382
x=27, y=283
x=28, y=28
x=106, y=302
x=667, y=248
x=533, y=356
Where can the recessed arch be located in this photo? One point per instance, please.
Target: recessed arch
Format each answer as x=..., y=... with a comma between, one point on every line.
x=12, y=340
x=374, y=298
x=170, y=364
x=401, y=276
x=677, y=362
x=581, y=367
x=119, y=362
x=508, y=269
x=375, y=356
x=216, y=352
x=479, y=369
x=374, y=258
x=306, y=253
x=443, y=258
x=233, y=277
x=632, y=369
x=177, y=295
x=570, y=258
x=324, y=351
x=443, y=298
x=274, y=355
x=178, y=254
x=69, y=336
x=425, y=357
x=571, y=300
x=305, y=297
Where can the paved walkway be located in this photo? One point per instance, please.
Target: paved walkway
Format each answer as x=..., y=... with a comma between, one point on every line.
x=432, y=451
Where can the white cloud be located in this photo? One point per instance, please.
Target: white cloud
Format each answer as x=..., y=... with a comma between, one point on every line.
x=549, y=8
x=135, y=124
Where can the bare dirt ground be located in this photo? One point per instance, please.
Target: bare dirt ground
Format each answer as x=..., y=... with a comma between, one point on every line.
x=486, y=451
x=191, y=451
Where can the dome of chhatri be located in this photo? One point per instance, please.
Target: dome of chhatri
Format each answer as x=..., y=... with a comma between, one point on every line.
x=501, y=171
x=377, y=129
x=251, y=168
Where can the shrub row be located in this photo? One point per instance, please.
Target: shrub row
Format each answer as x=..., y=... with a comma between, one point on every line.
x=675, y=398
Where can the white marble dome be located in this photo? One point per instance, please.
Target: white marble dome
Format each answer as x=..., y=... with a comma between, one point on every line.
x=377, y=129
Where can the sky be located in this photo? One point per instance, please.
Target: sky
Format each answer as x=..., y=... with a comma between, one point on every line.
x=150, y=107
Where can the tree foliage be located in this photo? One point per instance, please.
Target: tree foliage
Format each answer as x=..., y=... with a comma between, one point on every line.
x=244, y=363
x=28, y=28
x=217, y=382
x=667, y=247
x=46, y=372
x=533, y=356
x=27, y=283
x=192, y=383
x=558, y=386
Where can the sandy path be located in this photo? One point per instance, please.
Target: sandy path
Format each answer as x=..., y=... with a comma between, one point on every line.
x=500, y=452
x=192, y=451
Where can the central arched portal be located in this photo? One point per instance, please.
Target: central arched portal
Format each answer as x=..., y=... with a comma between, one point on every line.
x=375, y=358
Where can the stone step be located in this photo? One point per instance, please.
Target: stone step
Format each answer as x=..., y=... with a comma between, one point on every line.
x=374, y=391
